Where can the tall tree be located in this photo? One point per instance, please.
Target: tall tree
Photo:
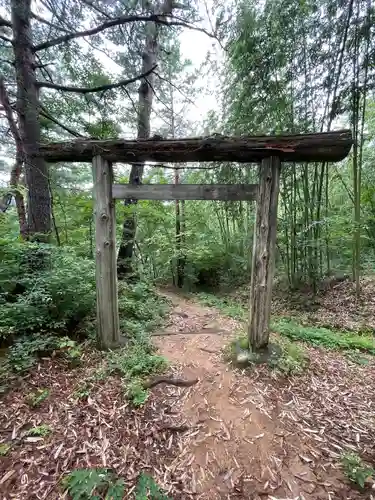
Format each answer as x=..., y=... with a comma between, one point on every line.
x=34, y=46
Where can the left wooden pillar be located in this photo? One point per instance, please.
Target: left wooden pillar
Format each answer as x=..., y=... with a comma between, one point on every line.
x=108, y=328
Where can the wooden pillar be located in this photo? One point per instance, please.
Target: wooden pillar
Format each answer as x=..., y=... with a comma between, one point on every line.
x=108, y=329
x=264, y=247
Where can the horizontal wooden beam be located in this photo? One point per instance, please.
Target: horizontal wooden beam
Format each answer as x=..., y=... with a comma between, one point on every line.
x=327, y=146
x=166, y=192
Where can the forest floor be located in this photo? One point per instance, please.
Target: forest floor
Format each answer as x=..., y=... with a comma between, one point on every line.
x=234, y=434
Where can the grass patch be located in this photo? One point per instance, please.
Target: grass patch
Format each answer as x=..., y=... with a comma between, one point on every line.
x=291, y=329
x=323, y=336
x=141, y=310
x=232, y=309
x=355, y=470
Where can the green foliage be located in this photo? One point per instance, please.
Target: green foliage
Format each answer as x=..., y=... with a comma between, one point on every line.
x=51, y=299
x=141, y=309
x=4, y=449
x=25, y=351
x=135, y=392
x=323, y=336
x=36, y=398
x=292, y=361
x=83, y=390
x=230, y=308
x=91, y=484
x=148, y=489
x=355, y=470
x=42, y=430
x=317, y=336
x=133, y=363
x=135, y=360
x=282, y=355
x=94, y=484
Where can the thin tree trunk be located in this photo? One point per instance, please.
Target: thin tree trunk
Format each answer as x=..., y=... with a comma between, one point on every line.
x=36, y=171
x=17, y=167
x=145, y=98
x=179, y=261
x=55, y=228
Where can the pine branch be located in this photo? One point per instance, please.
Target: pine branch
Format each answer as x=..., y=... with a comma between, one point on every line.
x=45, y=113
x=6, y=39
x=48, y=23
x=98, y=9
x=100, y=88
x=156, y=18
x=5, y=22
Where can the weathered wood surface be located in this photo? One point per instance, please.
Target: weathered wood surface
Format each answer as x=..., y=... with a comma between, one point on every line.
x=166, y=192
x=327, y=146
x=264, y=248
x=108, y=329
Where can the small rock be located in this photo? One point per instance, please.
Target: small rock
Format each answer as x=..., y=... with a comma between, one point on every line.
x=243, y=357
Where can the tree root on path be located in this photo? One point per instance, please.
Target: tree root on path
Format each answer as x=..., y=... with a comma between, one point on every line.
x=179, y=382
x=211, y=351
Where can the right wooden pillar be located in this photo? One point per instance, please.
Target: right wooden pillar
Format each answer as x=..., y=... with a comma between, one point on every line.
x=264, y=250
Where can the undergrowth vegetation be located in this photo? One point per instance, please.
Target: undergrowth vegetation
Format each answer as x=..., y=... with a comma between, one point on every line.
x=283, y=356
x=289, y=328
x=355, y=469
x=47, y=300
x=52, y=310
x=87, y=484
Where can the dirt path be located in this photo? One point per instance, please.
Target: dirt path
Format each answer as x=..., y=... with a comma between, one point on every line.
x=260, y=436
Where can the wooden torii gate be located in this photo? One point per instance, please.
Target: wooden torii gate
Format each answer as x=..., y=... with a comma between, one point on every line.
x=269, y=151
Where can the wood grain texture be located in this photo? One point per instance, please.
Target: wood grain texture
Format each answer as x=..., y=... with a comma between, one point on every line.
x=185, y=191
x=326, y=146
x=108, y=329
x=264, y=248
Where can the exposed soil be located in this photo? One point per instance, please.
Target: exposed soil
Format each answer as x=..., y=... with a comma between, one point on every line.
x=260, y=434
x=232, y=435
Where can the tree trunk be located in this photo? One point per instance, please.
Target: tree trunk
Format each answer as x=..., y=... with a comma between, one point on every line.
x=36, y=170
x=264, y=249
x=145, y=93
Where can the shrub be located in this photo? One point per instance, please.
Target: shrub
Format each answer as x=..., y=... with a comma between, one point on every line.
x=85, y=484
x=141, y=309
x=48, y=299
x=25, y=351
